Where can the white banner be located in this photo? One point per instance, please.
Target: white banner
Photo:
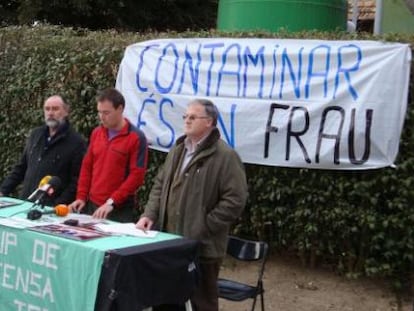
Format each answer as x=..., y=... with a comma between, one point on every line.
x=296, y=103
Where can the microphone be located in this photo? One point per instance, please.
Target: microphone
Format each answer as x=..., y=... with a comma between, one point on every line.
x=45, y=180
x=47, y=186
x=59, y=210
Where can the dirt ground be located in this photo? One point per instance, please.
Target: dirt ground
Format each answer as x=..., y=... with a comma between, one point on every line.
x=291, y=287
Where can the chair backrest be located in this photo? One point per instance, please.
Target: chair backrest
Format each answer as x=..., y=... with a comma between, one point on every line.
x=247, y=250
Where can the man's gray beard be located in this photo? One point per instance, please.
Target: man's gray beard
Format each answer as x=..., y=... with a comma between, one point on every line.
x=53, y=123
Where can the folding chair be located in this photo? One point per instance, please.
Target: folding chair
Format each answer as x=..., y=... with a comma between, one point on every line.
x=245, y=250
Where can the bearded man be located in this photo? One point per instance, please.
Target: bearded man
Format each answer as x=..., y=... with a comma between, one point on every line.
x=53, y=149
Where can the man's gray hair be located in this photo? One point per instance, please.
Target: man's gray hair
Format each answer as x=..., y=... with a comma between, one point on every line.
x=65, y=103
x=210, y=108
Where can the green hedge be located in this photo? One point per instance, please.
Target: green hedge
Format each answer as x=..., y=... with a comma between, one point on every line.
x=360, y=222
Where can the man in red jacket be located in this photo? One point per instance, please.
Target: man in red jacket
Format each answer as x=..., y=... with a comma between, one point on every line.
x=114, y=165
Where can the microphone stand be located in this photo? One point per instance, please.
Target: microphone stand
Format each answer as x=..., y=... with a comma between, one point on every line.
x=35, y=213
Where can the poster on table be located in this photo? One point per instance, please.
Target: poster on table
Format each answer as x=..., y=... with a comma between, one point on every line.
x=282, y=102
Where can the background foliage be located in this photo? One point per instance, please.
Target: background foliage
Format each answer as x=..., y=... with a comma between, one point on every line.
x=119, y=14
x=359, y=222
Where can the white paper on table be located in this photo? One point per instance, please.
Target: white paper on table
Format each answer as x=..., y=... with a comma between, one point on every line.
x=126, y=229
x=82, y=219
x=21, y=223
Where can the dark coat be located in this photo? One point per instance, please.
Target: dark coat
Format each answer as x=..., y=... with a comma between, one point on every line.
x=213, y=193
x=61, y=157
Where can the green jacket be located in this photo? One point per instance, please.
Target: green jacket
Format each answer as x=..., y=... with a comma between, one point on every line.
x=213, y=196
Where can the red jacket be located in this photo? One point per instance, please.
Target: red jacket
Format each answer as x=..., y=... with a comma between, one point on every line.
x=113, y=168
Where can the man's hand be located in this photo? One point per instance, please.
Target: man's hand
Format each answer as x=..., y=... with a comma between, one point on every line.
x=144, y=223
x=77, y=206
x=103, y=211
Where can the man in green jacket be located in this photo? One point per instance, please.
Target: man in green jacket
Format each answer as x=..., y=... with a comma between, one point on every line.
x=200, y=191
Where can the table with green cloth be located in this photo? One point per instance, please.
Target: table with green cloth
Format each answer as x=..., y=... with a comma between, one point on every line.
x=40, y=272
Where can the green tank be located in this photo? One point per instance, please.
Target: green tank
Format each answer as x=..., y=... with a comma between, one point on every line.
x=291, y=15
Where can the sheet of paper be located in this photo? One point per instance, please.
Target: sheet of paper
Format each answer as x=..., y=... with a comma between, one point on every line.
x=20, y=223
x=82, y=219
x=126, y=229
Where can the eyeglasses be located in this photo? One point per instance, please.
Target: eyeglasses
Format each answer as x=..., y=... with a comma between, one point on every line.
x=192, y=117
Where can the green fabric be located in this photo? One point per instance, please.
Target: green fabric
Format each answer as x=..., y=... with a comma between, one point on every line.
x=44, y=272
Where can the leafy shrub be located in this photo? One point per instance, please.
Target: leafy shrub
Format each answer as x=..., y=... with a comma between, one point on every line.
x=360, y=222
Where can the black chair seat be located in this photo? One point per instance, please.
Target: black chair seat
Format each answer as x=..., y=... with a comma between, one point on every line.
x=235, y=291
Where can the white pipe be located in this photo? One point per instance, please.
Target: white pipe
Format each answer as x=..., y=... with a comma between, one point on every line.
x=355, y=12
x=378, y=18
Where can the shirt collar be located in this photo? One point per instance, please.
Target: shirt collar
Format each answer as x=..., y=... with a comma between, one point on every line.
x=190, y=147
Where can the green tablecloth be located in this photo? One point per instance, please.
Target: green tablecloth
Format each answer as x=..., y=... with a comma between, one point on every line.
x=45, y=272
